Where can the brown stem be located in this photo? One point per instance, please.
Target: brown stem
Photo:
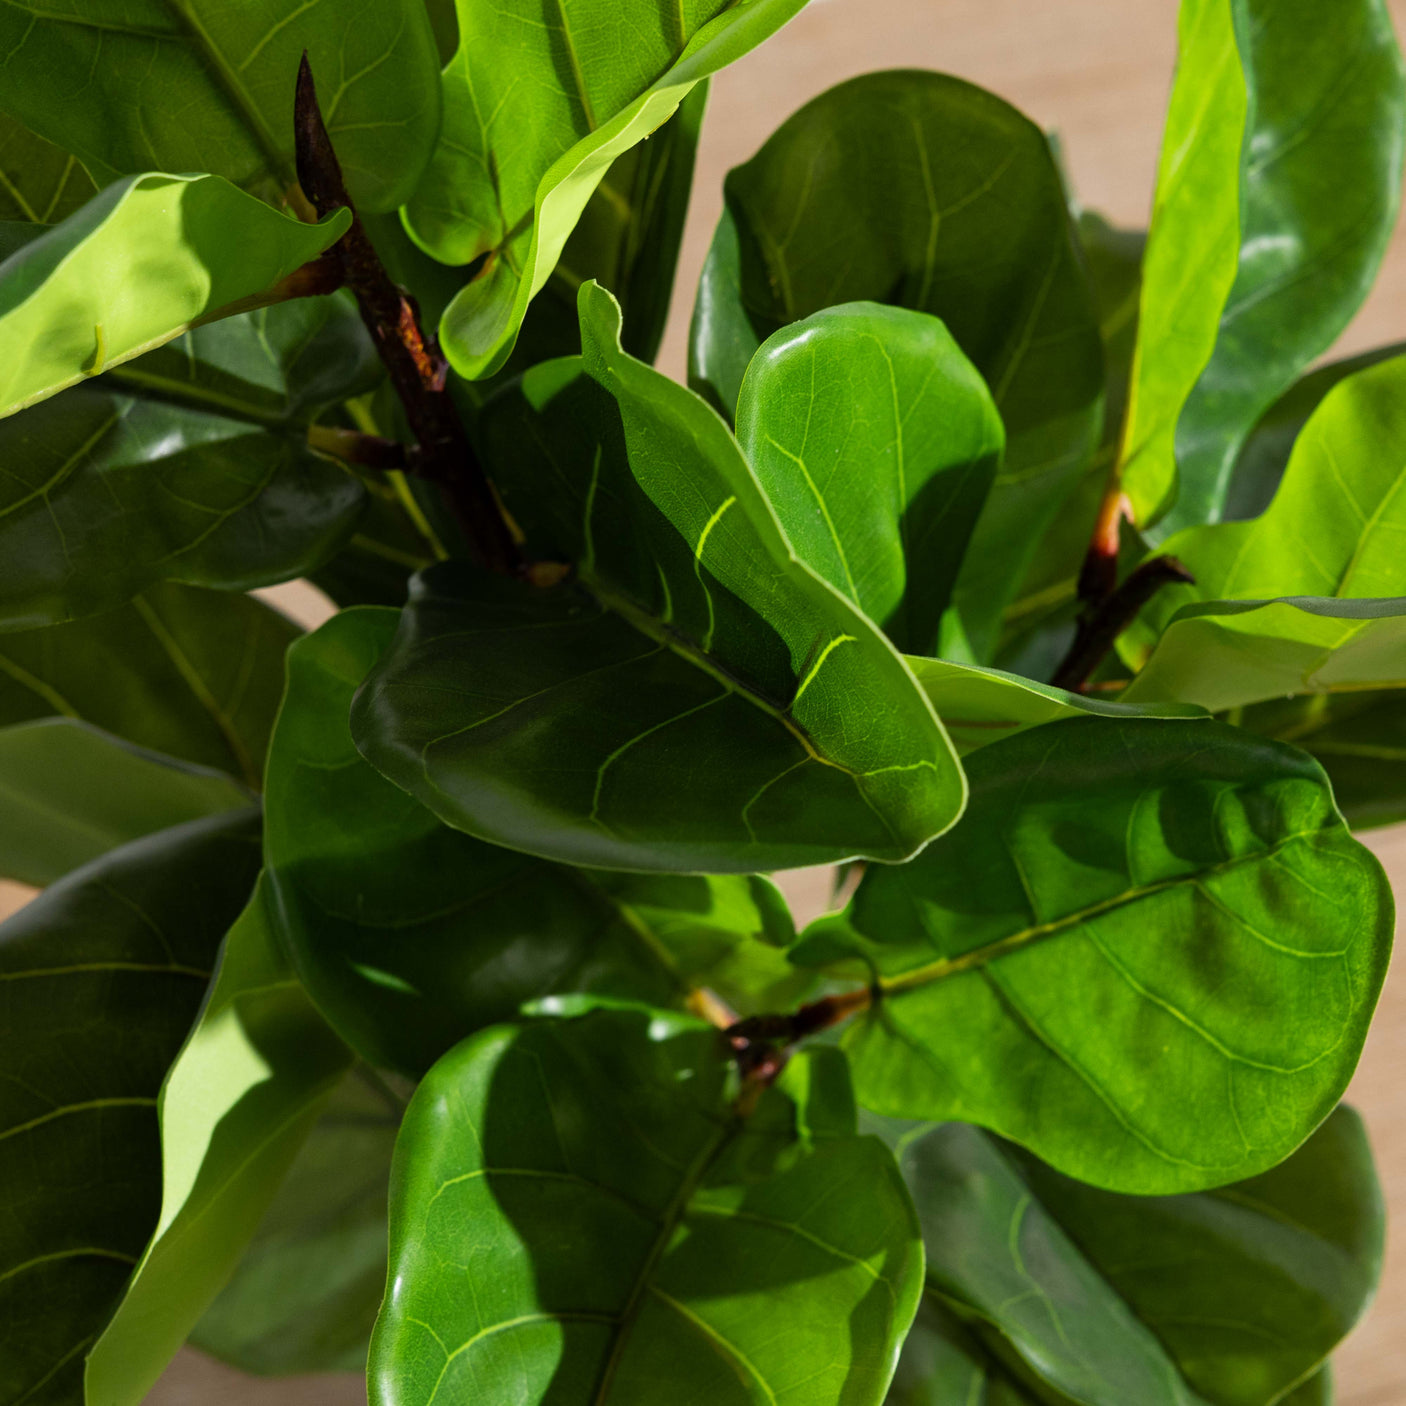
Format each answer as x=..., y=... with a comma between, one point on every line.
x=1103, y=623
x=356, y=447
x=417, y=369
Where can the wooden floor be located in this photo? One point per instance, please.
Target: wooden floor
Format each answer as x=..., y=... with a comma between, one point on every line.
x=1097, y=72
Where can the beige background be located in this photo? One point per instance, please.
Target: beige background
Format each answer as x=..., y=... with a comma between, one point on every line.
x=1097, y=72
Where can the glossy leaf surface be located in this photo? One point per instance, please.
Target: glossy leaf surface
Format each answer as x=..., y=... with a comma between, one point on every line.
x=306, y=1294
x=876, y=443
x=1226, y=654
x=103, y=974
x=627, y=1232
x=411, y=935
x=1132, y=918
x=920, y=190
x=136, y=267
x=1337, y=525
x=1360, y=740
x=72, y=792
x=39, y=182
x=1226, y=1297
x=690, y=686
x=1317, y=181
x=194, y=674
x=980, y=706
x=188, y=464
x=240, y=1098
x=195, y=85
x=534, y=113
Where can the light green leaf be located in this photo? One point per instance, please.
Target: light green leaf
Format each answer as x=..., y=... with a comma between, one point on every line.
x=39, y=182
x=534, y=113
x=1358, y=738
x=1226, y=654
x=1134, y=918
x=240, y=1098
x=876, y=443
x=196, y=85
x=72, y=792
x=691, y=686
x=375, y=895
x=135, y=267
x=194, y=674
x=191, y=463
x=980, y=706
x=1225, y=1297
x=1336, y=527
x=306, y=1293
x=1278, y=191
x=626, y=1231
x=103, y=974
x=920, y=190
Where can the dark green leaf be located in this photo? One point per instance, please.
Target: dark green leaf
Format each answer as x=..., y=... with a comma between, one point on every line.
x=534, y=113
x=375, y=566
x=944, y=1363
x=876, y=443
x=626, y=1232
x=71, y=793
x=196, y=85
x=980, y=706
x=237, y=1104
x=1317, y=1391
x=1114, y=259
x=189, y=464
x=1226, y=1297
x=307, y=1291
x=1312, y=196
x=1133, y=919
x=134, y=268
x=683, y=703
x=102, y=975
x=410, y=935
x=921, y=190
x=194, y=674
x=1358, y=738
x=39, y=183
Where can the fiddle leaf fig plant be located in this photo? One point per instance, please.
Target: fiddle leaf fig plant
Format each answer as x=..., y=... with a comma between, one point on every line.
x=419, y=995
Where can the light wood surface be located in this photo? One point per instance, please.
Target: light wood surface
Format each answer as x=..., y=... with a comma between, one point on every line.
x=1097, y=72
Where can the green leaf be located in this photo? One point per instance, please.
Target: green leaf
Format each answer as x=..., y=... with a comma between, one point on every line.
x=72, y=792
x=682, y=704
x=1277, y=194
x=626, y=1231
x=876, y=443
x=191, y=463
x=194, y=674
x=1133, y=919
x=1336, y=525
x=944, y=1362
x=103, y=974
x=39, y=182
x=980, y=706
x=240, y=1098
x=1050, y=587
x=1260, y=468
x=134, y=268
x=306, y=1293
x=920, y=190
x=374, y=894
x=1225, y=1297
x=195, y=85
x=1226, y=654
x=534, y=114
x=1358, y=738
x=1317, y=1391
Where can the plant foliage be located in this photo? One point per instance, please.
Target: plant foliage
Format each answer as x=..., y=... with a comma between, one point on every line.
x=412, y=995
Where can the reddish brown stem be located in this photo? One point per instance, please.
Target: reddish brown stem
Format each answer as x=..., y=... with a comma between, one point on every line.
x=417, y=369
x=1103, y=623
